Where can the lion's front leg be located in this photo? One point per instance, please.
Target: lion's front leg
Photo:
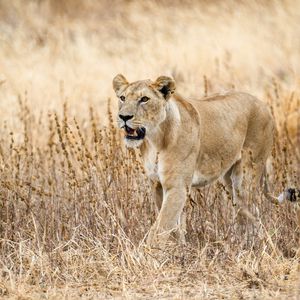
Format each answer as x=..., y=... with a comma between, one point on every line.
x=169, y=218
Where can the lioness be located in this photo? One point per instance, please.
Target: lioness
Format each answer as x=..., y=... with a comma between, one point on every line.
x=187, y=143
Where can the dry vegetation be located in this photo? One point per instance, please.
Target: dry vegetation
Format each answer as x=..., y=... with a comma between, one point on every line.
x=75, y=205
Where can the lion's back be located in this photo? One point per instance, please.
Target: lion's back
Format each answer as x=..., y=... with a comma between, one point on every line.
x=232, y=121
x=240, y=117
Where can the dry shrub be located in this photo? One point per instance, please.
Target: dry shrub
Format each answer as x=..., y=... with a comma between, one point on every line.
x=76, y=205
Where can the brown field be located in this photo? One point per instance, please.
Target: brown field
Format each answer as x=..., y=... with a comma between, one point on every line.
x=75, y=205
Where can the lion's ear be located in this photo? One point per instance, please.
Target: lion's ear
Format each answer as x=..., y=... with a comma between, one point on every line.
x=119, y=82
x=166, y=85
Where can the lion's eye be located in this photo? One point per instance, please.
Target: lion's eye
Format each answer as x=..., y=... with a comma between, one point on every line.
x=144, y=99
x=122, y=98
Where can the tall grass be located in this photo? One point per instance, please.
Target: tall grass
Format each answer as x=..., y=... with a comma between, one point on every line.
x=75, y=204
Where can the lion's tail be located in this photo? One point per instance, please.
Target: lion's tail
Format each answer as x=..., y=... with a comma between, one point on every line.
x=290, y=194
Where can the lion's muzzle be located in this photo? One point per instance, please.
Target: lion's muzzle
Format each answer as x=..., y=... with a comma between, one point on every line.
x=134, y=134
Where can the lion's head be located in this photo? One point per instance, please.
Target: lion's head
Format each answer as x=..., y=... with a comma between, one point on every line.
x=142, y=106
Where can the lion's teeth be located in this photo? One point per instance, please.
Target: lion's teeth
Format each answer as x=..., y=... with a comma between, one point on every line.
x=133, y=133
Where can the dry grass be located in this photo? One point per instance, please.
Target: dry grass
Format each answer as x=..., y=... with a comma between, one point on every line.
x=75, y=205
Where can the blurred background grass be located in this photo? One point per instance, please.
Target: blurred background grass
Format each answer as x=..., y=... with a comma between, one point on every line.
x=71, y=47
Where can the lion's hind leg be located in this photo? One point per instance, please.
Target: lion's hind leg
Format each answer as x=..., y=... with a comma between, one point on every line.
x=236, y=177
x=233, y=180
x=157, y=192
x=234, y=184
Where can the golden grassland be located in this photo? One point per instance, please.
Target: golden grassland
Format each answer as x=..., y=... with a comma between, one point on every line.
x=75, y=205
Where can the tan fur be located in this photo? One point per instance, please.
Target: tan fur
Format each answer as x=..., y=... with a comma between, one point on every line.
x=192, y=143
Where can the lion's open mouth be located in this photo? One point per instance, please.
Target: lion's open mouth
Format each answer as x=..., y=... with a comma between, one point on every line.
x=134, y=134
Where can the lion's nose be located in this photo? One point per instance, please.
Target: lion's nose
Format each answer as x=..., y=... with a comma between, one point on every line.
x=125, y=118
